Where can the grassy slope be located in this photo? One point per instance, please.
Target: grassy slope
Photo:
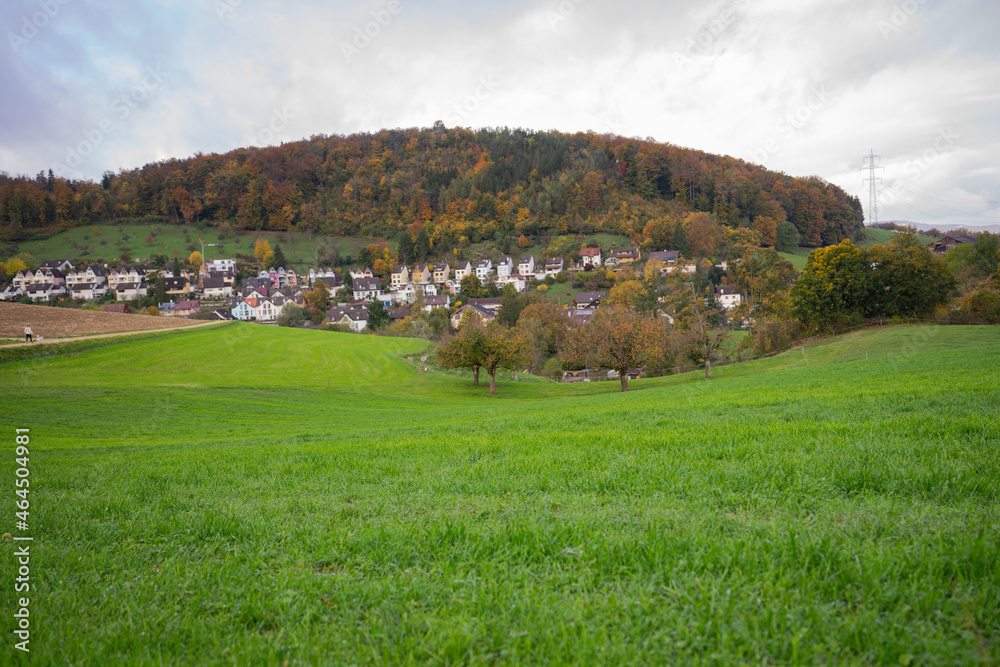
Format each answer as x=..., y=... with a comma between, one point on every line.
x=203, y=496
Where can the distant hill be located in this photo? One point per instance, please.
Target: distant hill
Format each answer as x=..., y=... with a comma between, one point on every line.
x=945, y=227
x=459, y=185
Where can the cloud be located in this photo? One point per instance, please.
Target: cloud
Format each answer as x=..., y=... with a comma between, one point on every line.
x=804, y=87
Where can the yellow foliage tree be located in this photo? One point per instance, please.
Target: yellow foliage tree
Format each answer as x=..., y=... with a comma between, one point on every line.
x=261, y=250
x=195, y=259
x=14, y=265
x=652, y=270
x=625, y=294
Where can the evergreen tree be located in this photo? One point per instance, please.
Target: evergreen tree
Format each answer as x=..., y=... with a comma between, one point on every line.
x=378, y=315
x=422, y=246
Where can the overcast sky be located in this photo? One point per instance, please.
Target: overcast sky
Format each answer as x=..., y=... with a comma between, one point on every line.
x=807, y=87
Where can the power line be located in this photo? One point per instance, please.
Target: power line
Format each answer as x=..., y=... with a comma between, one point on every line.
x=872, y=187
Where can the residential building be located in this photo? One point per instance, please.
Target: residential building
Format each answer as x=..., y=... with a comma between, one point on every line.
x=185, y=308
x=10, y=292
x=665, y=256
x=432, y=302
x=588, y=300
x=622, y=256
x=130, y=291
x=505, y=267
x=442, y=272
x=952, y=241
x=728, y=296
x=177, y=286
x=590, y=257
x=421, y=275
x=87, y=291
x=358, y=274
x=462, y=269
x=44, y=291
x=526, y=267
x=216, y=288
x=491, y=303
x=366, y=289
x=222, y=265
x=470, y=310
x=400, y=276
x=243, y=311
x=484, y=267
x=553, y=265
x=61, y=265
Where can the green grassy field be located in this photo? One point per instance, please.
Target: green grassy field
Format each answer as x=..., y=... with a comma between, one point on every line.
x=206, y=497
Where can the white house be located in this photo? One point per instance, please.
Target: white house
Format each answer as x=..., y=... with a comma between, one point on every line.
x=590, y=257
x=519, y=282
x=216, y=288
x=130, y=291
x=44, y=291
x=505, y=267
x=222, y=265
x=367, y=289
x=484, y=267
x=728, y=296
x=553, y=265
x=11, y=292
x=243, y=311
x=87, y=291
x=62, y=265
x=526, y=267
x=265, y=311
x=432, y=302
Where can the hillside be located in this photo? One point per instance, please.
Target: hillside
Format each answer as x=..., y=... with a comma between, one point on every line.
x=269, y=494
x=458, y=185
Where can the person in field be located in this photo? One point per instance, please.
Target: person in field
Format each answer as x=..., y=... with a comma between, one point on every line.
x=27, y=335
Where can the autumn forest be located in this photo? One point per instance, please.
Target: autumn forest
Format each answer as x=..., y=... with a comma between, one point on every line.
x=458, y=185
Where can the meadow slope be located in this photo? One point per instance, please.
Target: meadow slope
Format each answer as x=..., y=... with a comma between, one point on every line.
x=251, y=495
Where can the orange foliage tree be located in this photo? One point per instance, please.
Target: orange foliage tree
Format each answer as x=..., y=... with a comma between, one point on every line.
x=619, y=339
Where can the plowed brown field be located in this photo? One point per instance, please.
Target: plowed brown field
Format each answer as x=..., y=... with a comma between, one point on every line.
x=50, y=322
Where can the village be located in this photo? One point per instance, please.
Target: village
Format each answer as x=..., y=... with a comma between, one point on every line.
x=214, y=288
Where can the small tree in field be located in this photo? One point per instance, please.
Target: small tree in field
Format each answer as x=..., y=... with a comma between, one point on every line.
x=503, y=348
x=465, y=349
x=290, y=316
x=617, y=338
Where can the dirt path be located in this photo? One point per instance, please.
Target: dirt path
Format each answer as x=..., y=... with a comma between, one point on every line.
x=46, y=341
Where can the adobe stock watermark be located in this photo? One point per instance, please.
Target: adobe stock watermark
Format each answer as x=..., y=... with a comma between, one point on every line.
x=121, y=109
x=792, y=122
x=914, y=169
x=279, y=122
x=901, y=14
x=31, y=24
x=562, y=12
x=461, y=111
x=223, y=7
x=364, y=35
x=709, y=33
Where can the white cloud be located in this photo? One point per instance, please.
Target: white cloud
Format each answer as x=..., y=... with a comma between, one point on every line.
x=805, y=87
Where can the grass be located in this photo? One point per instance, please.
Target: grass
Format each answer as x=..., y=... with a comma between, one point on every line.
x=203, y=496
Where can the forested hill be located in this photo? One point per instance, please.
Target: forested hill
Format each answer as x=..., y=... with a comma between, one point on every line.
x=451, y=182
